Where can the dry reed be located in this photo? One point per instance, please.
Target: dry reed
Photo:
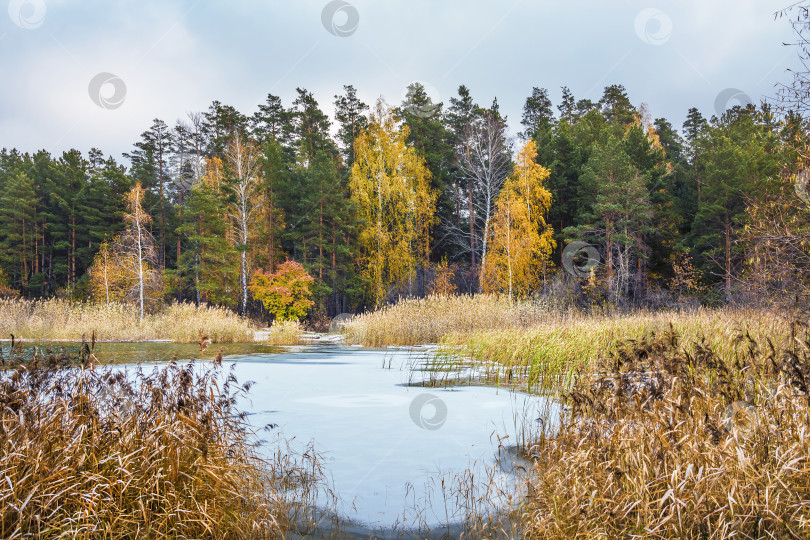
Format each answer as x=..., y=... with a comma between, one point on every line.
x=105, y=454
x=662, y=440
x=282, y=333
x=427, y=320
x=546, y=355
x=56, y=320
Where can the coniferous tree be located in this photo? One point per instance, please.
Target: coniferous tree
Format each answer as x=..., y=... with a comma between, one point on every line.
x=619, y=215
x=219, y=124
x=350, y=113
x=17, y=204
x=616, y=106
x=459, y=114
x=734, y=164
x=271, y=121
x=537, y=113
x=567, y=106
x=210, y=262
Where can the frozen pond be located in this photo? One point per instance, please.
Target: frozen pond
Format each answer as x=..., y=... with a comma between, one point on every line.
x=386, y=446
x=397, y=455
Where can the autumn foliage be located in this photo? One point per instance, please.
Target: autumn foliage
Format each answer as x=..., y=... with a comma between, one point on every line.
x=390, y=185
x=127, y=269
x=285, y=293
x=521, y=240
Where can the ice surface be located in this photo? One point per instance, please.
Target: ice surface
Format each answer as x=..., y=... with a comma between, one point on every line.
x=384, y=452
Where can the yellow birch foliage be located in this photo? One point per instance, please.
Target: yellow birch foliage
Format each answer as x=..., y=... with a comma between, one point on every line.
x=214, y=173
x=108, y=282
x=521, y=240
x=396, y=205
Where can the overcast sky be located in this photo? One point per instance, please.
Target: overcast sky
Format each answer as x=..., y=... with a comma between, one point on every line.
x=165, y=58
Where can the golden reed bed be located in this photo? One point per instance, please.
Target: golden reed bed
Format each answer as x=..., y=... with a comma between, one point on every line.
x=56, y=320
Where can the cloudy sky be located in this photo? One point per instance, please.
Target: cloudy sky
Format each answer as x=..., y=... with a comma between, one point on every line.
x=168, y=57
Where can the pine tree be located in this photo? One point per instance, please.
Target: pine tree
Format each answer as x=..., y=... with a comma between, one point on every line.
x=210, y=263
x=567, y=106
x=616, y=106
x=350, y=114
x=537, y=114
x=459, y=115
x=310, y=127
x=219, y=124
x=429, y=136
x=620, y=214
x=734, y=163
x=271, y=121
x=275, y=178
x=17, y=205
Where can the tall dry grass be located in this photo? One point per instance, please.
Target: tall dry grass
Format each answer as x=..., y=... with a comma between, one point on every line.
x=535, y=345
x=97, y=453
x=427, y=320
x=56, y=319
x=282, y=333
x=547, y=354
x=705, y=439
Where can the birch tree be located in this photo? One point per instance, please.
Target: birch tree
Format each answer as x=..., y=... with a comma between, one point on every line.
x=484, y=158
x=390, y=184
x=136, y=255
x=103, y=278
x=522, y=240
x=244, y=158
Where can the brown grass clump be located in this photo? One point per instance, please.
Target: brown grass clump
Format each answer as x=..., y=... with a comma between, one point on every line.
x=665, y=440
x=97, y=453
x=282, y=333
x=419, y=321
x=56, y=320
